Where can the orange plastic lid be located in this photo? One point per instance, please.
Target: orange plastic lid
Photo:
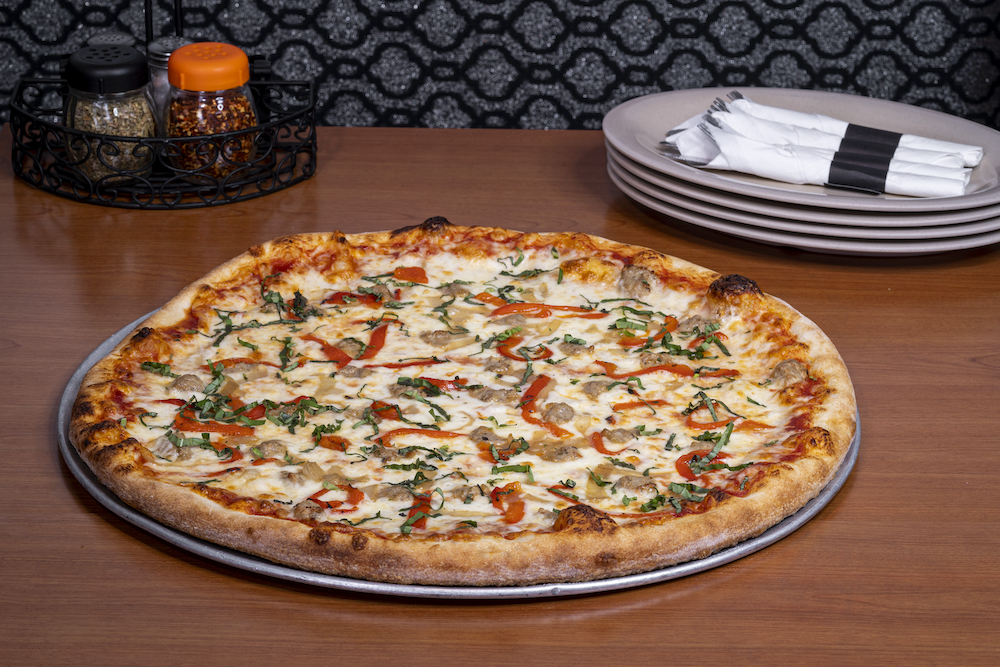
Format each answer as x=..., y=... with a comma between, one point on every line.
x=208, y=66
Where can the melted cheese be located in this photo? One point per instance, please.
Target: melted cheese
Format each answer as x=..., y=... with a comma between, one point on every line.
x=430, y=462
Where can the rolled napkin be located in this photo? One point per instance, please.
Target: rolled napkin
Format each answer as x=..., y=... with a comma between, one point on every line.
x=971, y=155
x=820, y=166
x=774, y=132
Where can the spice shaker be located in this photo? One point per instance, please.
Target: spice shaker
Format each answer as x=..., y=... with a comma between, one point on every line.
x=108, y=96
x=158, y=54
x=209, y=95
x=111, y=38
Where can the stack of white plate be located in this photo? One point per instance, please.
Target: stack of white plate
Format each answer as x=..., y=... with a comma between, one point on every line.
x=804, y=216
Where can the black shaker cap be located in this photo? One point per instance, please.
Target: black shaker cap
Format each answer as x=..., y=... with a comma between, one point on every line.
x=107, y=69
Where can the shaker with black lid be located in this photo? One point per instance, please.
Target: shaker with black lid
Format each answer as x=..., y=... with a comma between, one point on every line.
x=108, y=97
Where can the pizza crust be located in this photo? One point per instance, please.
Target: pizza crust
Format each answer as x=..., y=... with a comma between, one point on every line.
x=584, y=544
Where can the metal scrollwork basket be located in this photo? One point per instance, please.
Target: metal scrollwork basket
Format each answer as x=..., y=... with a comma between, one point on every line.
x=144, y=173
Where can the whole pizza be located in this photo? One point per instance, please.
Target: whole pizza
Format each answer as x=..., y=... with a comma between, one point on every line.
x=468, y=406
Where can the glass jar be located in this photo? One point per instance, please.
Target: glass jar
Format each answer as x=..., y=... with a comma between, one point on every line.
x=108, y=97
x=209, y=96
x=158, y=54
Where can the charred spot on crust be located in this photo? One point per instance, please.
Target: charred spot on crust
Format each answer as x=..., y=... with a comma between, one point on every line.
x=319, y=535
x=732, y=285
x=107, y=432
x=141, y=334
x=430, y=226
x=105, y=455
x=83, y=409
x=359, y=541
x=585, y=519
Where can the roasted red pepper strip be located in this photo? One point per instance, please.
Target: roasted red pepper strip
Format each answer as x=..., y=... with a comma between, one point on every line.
x=669, y=324
x=528, y=407
x=701, y=339
x=491, y=299
x=612, y=370
x=597, y=440
x=638, y=404
x=706, y=426
x=554, y=490
x=354, y=498
x=683, y=464
x=349, y=298
x=410, y=274
x=506, y=499
x=545, y=310
x=505, y=349
x=186, y=422
x=331, y=352
x=334, y=442
x=376, y=343
x=423, y=504
x=445, y=385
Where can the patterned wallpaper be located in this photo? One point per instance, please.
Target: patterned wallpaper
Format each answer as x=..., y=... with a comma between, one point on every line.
x=552, y=64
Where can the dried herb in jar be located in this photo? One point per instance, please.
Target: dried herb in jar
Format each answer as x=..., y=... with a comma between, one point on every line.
x=107, y=97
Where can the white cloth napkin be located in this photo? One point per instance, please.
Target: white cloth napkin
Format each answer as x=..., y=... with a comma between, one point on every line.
x=796, y=147
x=971, y=155
x=796, y=135
x=798, y=164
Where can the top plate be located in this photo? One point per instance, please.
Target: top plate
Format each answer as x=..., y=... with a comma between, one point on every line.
x=636, y=128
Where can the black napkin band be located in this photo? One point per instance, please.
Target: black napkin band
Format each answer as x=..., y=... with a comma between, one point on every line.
x=869, y=135
x=858, y=171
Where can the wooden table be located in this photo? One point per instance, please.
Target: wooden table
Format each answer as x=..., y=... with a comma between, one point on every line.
x=902, y=567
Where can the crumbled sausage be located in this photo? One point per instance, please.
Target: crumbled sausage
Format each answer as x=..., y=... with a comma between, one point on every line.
x=272, y=449
x=558, y=413
x=636, y=281
x=514, y=320
x=308, y=510
x=394, y=492
x=573, y=349
x=650, y=359
x=498, y=365
x=595, y=388
x=383, y=452
x=488, y=395
x=484, y=434
x=438, y=338
x=788, y=372
x=618, y=436
x=556, y=453
x=694, y=322
x=355, y=371
x=467, y=493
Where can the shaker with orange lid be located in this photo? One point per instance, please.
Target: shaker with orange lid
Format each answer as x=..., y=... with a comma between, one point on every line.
x=209, y=96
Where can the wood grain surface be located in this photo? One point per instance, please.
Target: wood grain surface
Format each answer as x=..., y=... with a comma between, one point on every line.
x=902, y=567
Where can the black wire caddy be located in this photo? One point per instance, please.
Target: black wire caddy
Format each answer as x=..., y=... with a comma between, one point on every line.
x=52, y=157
